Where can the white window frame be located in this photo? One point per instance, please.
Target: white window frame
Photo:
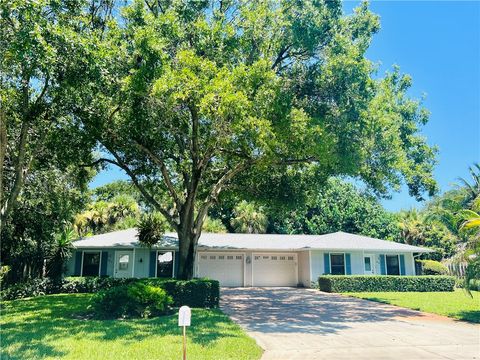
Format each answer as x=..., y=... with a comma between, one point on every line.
x=344, y=262
x=173, y=264
x=99, y=263
x=399, y=267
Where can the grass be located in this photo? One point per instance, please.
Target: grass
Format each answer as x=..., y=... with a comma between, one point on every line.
x=54, y=326
x=457, y=304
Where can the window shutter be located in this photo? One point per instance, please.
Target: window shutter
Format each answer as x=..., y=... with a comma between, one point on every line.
x=153, y=263
x=78, y=263
x=103, y=269
x=176, y=259
x=348, y=266
x=382, y=265
x=326, y=263
x=402, y=264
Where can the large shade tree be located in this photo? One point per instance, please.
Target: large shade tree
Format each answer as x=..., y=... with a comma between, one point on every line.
x=186, y=97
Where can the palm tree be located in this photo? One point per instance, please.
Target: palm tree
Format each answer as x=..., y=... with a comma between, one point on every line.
x=62, y=251
x=249, y=219
x=473, y=188
x=411, y=227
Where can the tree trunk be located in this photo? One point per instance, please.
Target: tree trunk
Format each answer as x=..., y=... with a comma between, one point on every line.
x=187, y=241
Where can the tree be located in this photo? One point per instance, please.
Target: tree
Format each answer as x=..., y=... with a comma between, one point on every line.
x=338, y=206
x=249, y=218
x=36, y=133
x=185, y=97
x=61, y=252
x=49, y=201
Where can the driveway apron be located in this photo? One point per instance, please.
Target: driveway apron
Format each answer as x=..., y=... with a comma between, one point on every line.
x=307, y=324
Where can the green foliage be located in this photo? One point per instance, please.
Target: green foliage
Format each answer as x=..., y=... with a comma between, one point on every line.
x=416, y=229
x=134, y=300
x=249, y=218
x=151, y=228
x=338, y=206
x=62, y=251
x=102, y=216
x=49, y=200
x=194, y=293
x=4, y=270
x=369, y=283
x=472, y=275
x=202, y=293
x=214, y=226
x=432, y=267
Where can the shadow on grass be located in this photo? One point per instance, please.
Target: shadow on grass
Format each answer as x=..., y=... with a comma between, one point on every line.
x=31, y=326
x=472, y=316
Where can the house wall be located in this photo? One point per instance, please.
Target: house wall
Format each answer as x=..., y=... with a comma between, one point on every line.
x=303, y=258
x=141, y=269
x=357, y=262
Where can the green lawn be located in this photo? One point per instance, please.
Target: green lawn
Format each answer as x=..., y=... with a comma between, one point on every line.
x=455, y=304
x=54, y=326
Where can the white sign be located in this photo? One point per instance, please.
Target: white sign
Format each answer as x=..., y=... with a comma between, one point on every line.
x=184, y=315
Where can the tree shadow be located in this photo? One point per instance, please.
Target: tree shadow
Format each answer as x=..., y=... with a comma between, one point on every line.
x=31, y=326
x=470, y=316
x=290, y=310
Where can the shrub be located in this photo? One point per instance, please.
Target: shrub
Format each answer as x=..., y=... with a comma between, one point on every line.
x=202, y=293
x=432, y=267
x=132, y=300
x=371, y=283
x=194, y=293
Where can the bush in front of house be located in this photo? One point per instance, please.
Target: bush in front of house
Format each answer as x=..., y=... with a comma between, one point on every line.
x=133, y=300
x=202, y=293
x=374, y=283
x=432, y=267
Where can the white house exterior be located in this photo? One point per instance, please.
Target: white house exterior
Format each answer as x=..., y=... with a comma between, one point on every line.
x=246, y=259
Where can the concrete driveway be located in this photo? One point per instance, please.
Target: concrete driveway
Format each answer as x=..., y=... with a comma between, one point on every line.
x=307, y=324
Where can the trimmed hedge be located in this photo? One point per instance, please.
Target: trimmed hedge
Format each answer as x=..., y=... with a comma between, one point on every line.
x=432, y=267
x=194, y=293
x=373, y=283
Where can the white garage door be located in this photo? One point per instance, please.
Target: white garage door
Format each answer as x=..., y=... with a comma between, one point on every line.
x=224, y=267
x=275, y=270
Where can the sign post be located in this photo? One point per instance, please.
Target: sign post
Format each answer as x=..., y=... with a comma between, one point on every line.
x=184, y=315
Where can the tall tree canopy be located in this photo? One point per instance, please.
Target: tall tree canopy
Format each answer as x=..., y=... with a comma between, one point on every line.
x=187, y=96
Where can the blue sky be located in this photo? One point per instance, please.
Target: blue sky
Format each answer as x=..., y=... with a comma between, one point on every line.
x=438, y=44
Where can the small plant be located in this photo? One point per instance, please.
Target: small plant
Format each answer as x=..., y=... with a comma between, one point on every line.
x=134, y=300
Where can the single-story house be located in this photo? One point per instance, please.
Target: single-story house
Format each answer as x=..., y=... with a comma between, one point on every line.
x=245, y=259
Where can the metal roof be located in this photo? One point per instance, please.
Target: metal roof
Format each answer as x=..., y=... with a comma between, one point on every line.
x=334, y=241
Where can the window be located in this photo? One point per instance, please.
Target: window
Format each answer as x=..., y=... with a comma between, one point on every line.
x=91, y=264
x=368, y=263
x=282, y=257
x=274, y=258
x=239, y=257
x=229, y=257
x=337, y=264
x=393, y=264
x=290, y=258
x=123, y=262
x=221, y=257
x=165, y=264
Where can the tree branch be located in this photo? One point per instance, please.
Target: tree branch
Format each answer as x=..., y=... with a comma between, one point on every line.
x=122, y=165
x=217, y=188
x=166, y=177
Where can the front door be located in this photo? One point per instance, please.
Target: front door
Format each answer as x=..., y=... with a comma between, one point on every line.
x=368, y=265
x=123, y=264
